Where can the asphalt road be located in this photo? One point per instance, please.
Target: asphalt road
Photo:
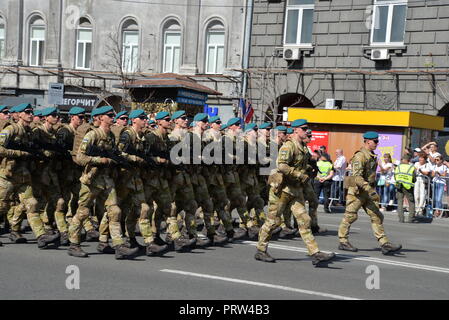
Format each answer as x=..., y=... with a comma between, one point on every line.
x=419, y=271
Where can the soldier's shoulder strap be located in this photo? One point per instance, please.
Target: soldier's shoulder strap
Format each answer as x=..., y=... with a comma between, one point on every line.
x=4, y=123
x=79, y=135
x=117, y=131
x=57, y=126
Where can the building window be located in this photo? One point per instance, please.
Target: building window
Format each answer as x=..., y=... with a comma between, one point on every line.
x=83, y=59
x=37, y=45
x=172, y=51
x=130, y=51
x=215, y=49
x=2, y=39
x=388, y=26
x=299, y=22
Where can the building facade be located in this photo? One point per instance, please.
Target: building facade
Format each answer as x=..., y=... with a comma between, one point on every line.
x=91, y=45
x=352, y=54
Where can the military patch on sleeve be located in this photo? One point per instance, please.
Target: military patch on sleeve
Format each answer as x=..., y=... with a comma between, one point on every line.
x=3, y=137
x=356, y=165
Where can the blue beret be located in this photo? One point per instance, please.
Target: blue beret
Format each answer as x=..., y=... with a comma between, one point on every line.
x=281, y=128
x=76, y=110
x=223, y=126
x=371, y=135
x=299, y=122
x=151, y=122
x=266, y=125
x=178, y=114
x=200, y=117
x=102, y=110
x=3, y=108
x=250, y=126
x=37, y=113
x=233, y=121
x=213, y=119
x=289, y=131
x=48, y=111
x=97, y=111
x=137, y=113
x=161, y=115
x=121, y=113
x=21, y=107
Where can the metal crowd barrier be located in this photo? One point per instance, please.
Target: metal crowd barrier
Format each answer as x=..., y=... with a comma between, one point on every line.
x=338, y=194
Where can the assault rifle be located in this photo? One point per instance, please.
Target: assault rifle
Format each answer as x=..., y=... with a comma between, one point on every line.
x=60, y=151
x=113, y=154
x=142, y=154
x=29, y=147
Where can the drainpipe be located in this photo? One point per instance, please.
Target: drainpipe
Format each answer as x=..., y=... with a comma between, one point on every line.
x=247, y=44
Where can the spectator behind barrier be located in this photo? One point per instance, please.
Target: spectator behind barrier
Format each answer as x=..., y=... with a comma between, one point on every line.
x=439, y=171
x=323, y=179
x=386, y=181
x=423, y=170
x=405, y=177
x=339, y=174
x=431, y=149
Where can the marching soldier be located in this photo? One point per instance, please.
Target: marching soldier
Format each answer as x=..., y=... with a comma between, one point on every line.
x=15, y=175
x=362, y=193
x=97, y=184
x=286, y=190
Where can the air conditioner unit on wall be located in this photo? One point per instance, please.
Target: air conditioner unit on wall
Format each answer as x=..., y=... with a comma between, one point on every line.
x=380, y=54
x=291, y=53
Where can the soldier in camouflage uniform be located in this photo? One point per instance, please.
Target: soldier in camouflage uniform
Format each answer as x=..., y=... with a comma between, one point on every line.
x=15, y=176
x=97, y=184
x=181, y=182
x=156, y=184
x=288, y=192
x=362, y=194
x=70, y=172
x=130, y=189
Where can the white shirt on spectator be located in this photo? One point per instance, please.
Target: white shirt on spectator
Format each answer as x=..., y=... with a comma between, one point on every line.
x=439, y=170
x=425, y=167
x=340, y=168
x=389, y=173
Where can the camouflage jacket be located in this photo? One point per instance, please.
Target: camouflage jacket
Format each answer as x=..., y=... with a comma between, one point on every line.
x=364, y=166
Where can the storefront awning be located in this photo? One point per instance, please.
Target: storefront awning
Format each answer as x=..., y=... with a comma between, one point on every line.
x=368, y=118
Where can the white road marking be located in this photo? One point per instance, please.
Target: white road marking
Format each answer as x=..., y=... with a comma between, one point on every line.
x=366, y=259
x=260, y=284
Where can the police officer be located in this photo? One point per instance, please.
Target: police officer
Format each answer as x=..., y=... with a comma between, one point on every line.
x=15, y=175
x=291, y=165
x=405, y=177
x=362, y=193
x=97, y=184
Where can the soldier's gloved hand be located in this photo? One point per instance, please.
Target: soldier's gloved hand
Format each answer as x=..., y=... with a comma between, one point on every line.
x=302, y=177
x=106, y=161
x=371, y=193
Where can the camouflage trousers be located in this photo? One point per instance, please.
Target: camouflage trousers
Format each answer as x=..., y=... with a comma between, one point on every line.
x=11, y=189
x=353, y=203
x=221, y=204
x=156, y=189
x=184, y=195
x=278, y=204
x=136, y=209
x=254, y=204
x=204, y=201
x=312, y=199
x=104, y=193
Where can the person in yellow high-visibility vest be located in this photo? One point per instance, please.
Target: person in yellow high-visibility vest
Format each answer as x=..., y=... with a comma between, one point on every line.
x=405, y=177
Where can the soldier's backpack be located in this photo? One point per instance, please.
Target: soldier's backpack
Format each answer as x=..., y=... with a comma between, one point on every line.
x=79, y=135
x=117, y=131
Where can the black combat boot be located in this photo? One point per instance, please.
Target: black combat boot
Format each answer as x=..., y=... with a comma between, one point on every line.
x=104, y=247
x=321, y=257
x=17, y=237
x=154, y=249
x=388, y=248
x=253, y=233
x=217, y=239
x=123, y=252
x=318, y=230
x=76, y=251
x=64, y=240
x=202, y=242
x=287, y=233
x=133, y=243
x=346, y=246
x=183, y=244
x=264, y=256
x=45, y=239
x=239, y=234
x=92, y=235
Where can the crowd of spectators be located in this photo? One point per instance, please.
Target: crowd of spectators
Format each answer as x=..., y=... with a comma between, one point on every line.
x=431, y=177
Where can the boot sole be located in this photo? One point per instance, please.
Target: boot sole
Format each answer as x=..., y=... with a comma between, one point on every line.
x=77, y=256
x=20, y=240
x=268, y=261
x=349, y=250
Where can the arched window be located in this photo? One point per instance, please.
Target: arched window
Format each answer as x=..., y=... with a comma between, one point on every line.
x=37, y=41
x=215, y=48
x=172, y=47
x=2, y=37
x=130, y=53
x=83, y=59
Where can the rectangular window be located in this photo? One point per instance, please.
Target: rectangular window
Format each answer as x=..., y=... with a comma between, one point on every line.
x=37, y=44
x=84, y=49
x=2, y=41
x=299, y=22
x=215, y=52
x=172, y=51
x=388, y=26
x=130, y=51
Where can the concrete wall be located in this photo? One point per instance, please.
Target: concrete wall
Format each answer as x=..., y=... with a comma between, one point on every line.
x=341, y=40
